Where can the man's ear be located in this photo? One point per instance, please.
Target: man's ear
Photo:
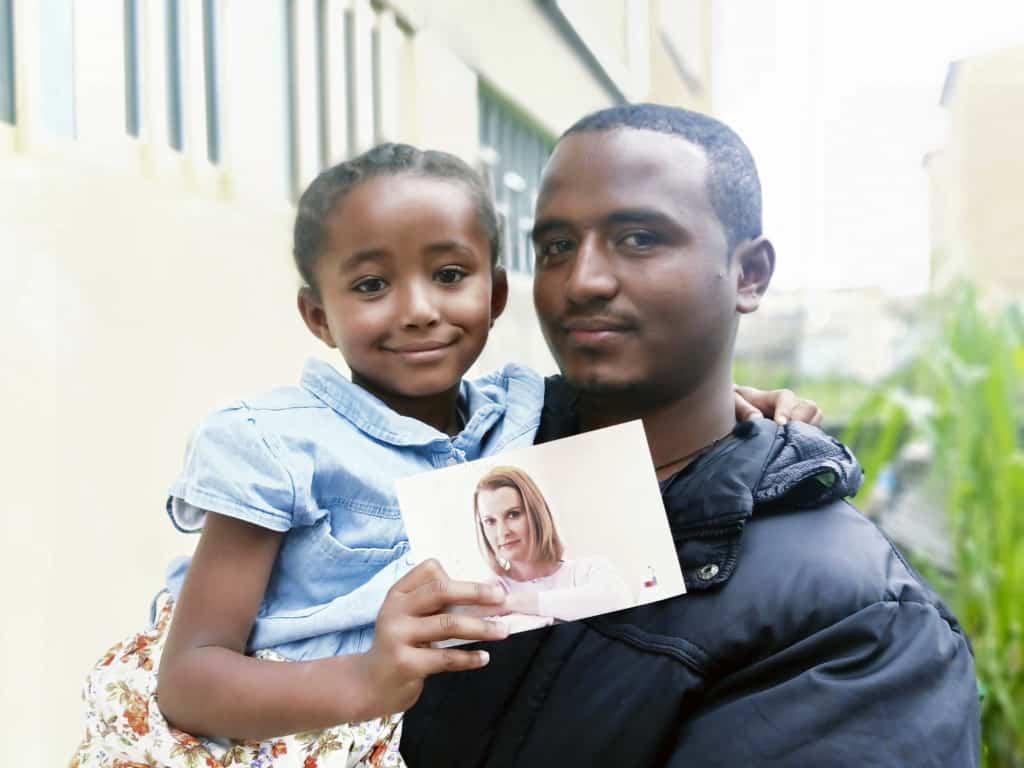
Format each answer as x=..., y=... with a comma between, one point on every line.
x=499, y=292
x=755, y=264
x=313, y=314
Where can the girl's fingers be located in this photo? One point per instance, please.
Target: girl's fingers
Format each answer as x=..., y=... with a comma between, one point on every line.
x=454, y=626
x=806, y=411
x=782, y=405
x=785, y=400
x=744, y=409
x=420, y=662
x=426, y=572
x=776, y=404
x=433, y=596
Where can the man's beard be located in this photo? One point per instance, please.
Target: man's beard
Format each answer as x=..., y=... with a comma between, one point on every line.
x=596, y=387
x=632, y=394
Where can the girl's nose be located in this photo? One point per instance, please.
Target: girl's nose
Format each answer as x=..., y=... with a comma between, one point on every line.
x=419, y=309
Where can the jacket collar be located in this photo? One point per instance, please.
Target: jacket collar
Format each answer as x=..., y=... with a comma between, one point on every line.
x=484, y=406
x=764, y=468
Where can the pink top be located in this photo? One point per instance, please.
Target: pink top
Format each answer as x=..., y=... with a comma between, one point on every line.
x=579, y=588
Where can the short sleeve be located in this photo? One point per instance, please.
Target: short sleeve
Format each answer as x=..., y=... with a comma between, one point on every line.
x=230, y=468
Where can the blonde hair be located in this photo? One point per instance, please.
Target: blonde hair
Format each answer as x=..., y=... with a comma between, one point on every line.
x=545, y=545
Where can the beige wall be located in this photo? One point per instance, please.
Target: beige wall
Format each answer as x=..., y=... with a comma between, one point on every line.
x=680, y=37
x=516, y=48
x=133, y=318
x=977, y=224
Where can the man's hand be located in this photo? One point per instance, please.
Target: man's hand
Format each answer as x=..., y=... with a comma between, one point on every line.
x=781, y=405
x=409, y=620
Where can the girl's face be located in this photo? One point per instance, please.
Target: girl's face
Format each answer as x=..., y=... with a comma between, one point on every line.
x=407, y=293
x=505, y=523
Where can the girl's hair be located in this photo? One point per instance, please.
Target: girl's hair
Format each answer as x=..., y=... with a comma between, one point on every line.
x=546, y=546
x=327, y=190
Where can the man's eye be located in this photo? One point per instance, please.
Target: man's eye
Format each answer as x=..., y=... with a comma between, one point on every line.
x=640, y=240
x=370, y=285
x=450, y=275
x=554, y=248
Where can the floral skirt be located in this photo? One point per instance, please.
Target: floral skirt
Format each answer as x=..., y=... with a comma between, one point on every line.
x=125, y=729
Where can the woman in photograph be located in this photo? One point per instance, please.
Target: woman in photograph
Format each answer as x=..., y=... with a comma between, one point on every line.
x=517, y=536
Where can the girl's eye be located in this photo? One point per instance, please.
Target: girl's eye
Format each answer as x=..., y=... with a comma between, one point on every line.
x=513, y=514
x=450, y=275
x=640, y=240
x=370, y=285
x=489, y=522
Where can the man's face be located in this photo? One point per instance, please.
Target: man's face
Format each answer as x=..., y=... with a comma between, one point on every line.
x=634, y=288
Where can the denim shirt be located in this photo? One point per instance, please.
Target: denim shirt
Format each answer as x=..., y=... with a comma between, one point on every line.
x=318, y=462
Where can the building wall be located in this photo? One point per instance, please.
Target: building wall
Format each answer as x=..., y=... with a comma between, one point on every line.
x=516, y=48
x=147, y=285
x=680, y=53
x=975, y=201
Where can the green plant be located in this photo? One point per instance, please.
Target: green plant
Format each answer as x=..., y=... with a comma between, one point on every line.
x=963, y=394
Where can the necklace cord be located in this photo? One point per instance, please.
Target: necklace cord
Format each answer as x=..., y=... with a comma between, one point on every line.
x=694, y=454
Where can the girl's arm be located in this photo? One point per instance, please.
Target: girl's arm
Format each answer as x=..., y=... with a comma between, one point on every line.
x=207, y=685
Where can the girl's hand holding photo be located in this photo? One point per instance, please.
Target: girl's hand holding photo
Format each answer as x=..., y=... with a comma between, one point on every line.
x=411, y=619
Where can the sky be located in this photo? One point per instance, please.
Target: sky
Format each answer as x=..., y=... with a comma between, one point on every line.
x=839, y=102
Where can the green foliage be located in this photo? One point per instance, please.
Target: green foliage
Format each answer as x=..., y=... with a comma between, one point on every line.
x=963, y=394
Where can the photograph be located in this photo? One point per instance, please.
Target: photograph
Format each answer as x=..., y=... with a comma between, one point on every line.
x=568, y=529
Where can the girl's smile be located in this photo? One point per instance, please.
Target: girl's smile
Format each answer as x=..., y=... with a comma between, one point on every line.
x=422, y=351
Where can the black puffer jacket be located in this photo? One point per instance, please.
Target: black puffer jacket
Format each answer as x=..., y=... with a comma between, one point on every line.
x=805, y=640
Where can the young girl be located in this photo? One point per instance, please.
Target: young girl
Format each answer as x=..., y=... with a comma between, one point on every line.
x=303, y=555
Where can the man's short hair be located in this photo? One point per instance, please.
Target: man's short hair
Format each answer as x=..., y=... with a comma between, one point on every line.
x=733, y=185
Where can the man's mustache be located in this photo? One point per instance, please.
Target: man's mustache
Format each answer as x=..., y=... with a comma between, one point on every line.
x=598, y=320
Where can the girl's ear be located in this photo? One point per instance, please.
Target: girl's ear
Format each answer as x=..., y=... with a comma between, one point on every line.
x=755, y=264
x=499, y=292
x=313, y=314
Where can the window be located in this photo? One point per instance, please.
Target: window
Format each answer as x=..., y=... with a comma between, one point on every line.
x=513, y=152
x=131, y=67
x=210, y=71
x=321, y=26
x=377, y=96
x=291, y=103
x=8, y=113
x=351, y=82
x=172, y=22
x=308, y=121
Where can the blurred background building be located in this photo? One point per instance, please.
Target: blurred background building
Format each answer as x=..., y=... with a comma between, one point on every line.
x=976, y=210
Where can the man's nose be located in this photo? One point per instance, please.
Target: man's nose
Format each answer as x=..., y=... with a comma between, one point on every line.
x=593, y=276
x=419, y=308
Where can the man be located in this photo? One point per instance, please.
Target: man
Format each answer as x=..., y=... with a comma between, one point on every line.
x=805, y=638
